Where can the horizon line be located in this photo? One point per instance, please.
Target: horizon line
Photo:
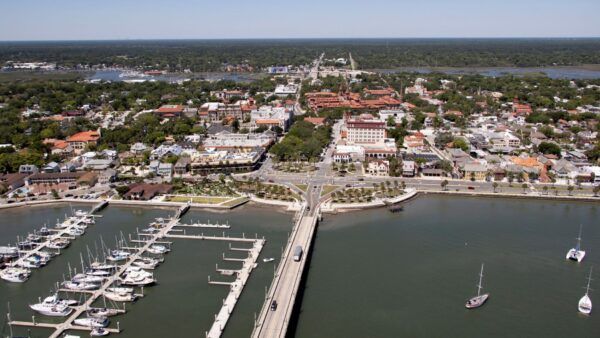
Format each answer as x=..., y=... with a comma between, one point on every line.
x=311, y=38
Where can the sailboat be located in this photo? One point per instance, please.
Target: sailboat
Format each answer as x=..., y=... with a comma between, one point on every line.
x=576, y=254
x=480, y=299
x=585, y=303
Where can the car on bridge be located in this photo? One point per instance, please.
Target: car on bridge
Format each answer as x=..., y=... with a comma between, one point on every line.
x=274, y=305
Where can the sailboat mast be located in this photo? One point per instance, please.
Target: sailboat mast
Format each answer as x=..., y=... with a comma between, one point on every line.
x=579, y=237
x=587, y=289
x=480, y=279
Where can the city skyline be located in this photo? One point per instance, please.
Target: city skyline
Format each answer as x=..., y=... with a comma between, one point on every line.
x=183, y=19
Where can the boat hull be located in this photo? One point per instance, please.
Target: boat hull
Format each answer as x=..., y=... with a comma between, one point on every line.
x=477, y=301
x=575, y=255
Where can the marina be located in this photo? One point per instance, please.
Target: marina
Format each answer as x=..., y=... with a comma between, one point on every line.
x=233, y=324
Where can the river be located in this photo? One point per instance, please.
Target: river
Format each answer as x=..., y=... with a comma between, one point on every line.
x=571, y=73
x=378, y=274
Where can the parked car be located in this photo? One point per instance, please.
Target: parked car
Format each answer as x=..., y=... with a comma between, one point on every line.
x=274, y=305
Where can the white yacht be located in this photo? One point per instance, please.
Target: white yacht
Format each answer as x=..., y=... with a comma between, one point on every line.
x=9, y=252
x=147, y=263
x=120, y=296
x=158, y=249
x=102, y=312
x=99, y=332
x=85, y=278
x=92, y=322
x=102, y=266
x=135, y=276
x=585, y=303
x=118, y=255
x=75, y=231
x=59, y=243
x=52, y=306
x=78, y=286
x=480, y=299
x=576, y=254
x=15, y=274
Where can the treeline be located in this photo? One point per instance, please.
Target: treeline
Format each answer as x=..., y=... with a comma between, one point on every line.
x=303, y=142
x=211, y=55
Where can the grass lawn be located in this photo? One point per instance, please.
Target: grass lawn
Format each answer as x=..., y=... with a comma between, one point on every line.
x=328, y=188
x=302, y=187
x=235, y=201
x=199, y=199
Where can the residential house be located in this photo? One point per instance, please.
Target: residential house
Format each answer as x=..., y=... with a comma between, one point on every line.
x=378, y=168
x=144, y=191
x=28, y=169
x=182, y=166
x=80, y=141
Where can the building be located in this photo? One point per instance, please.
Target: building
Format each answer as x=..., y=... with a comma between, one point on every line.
x=166, y=150
x=317, y=121
x=98, y=165
x=144, y=191
x=107, y=176
x=408, y=168
x=10, y=182
x=232, y=141
x=267, y=116
x=378, y=168
x=226, y=161
x=285, y=90
x=226, y=94
x=170, y=111
x=80, y=141
x=475, y=171
x=165, y=169
x=365, y=131
x=28, y=169
x=182, y=166
x=138, y=148
x=217, y=111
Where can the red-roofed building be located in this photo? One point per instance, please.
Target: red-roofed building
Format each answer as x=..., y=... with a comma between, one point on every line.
x=521, y=109
x=170, y=111
x=81, y=140
x=380, y=92
x=317, y=121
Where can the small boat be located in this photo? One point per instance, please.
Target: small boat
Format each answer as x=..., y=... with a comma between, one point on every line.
x=85, y=278
x=120, y=289
x=44, y=231
x=158, y=249
x=480, y=299
x=75, y=231
x=78, y=286
x=118, y=255
x=585, y=303
x=59, y=243
x=120, y=296
x=81, y=213
x=267, y=260
x=576, y=254
x=102, y=312
x=99, y=332
x=99, y=273
x=9, y=252
x=146, y=263
x=15, y=274
x=34, y=238
x=102, y=266
x=92, y=322
x=26, y=245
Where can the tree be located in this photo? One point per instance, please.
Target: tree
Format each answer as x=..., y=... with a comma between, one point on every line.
x=495, y=186
x=444, y=184
x=545, y=188
x=570, y=189
x=391, y=122
x=549, y=148
x=460, y=142
x=524, y=186
x=596, y=190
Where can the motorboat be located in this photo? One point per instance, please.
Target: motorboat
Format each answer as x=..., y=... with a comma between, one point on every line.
x=147, y=263
x=34, y=238
x=118, y=255
x=94, y=322
x=135, y=276
x=576, y=254
x=26, y=245
x=102, y=266
x=102, y=312
x=34, y=262
x=158, y=249
x=267, y=260
x=85, y=278
x=480, y=299
x=81, y=213
x=120, y=289
x=99, y=332
x=75, y=231
x=585, y=303
x=58, y=243
x=79, y=286
x=99, y=273
x=52, y=306
x=9, y=252
x=44, y=231
x=120, y=296
x=15, y=274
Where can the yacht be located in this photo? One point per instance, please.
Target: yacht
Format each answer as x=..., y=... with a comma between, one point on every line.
x=147, y=263
x=480, y=299
x=99, y=332
x=102, y=266
x=585, y=303
x=59, y=243
x=99, y=273
x=52, y=306
x=79, y=286
x=26, y=245
x=120, y=296
x=158, y=249
x=576, y=254
x=120, y=289
x=118, y=255
x=92, y=322
x=44, y=231
x=75, y=231
x=102, y=312
x=135, y=276
x=15, y=274
x=9, y=252
x=85, y=278
x=81, y=213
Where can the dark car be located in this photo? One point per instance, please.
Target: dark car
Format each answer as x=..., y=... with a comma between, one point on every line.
x=471, y=188
x=348, y=185
x=274, y=305
x=361, y=179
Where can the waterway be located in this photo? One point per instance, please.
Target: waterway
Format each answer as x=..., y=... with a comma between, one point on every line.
x=378, y=274
x=114, y=76
x=572, y=73
x=182, y=303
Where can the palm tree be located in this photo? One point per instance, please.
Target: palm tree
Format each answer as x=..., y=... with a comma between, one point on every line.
x=545, y=188
x=596, y=190
x=403, y=185
x=524, y=186
x=570, y=188
x=444, y=184
x=495, y=186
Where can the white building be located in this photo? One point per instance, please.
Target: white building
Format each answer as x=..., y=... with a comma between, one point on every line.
x=365, y=131
x=268, y=116
x=285, y=90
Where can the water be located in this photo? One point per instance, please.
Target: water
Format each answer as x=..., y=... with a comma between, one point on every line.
x=572, y=73
x=113, y=76
x=183, y=302
x=377, y=274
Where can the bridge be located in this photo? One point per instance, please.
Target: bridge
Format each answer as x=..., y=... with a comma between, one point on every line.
x=285, y=286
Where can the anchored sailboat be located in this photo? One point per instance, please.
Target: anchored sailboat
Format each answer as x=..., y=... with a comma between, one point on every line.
x=480, y=299
x=576, y=254
x=585, y=303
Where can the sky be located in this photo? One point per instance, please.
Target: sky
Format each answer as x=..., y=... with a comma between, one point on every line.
x=233, y=19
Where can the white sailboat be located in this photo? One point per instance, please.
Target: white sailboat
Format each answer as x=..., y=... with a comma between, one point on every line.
x=585, y=303
x=480, y=299
x=576, y=254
